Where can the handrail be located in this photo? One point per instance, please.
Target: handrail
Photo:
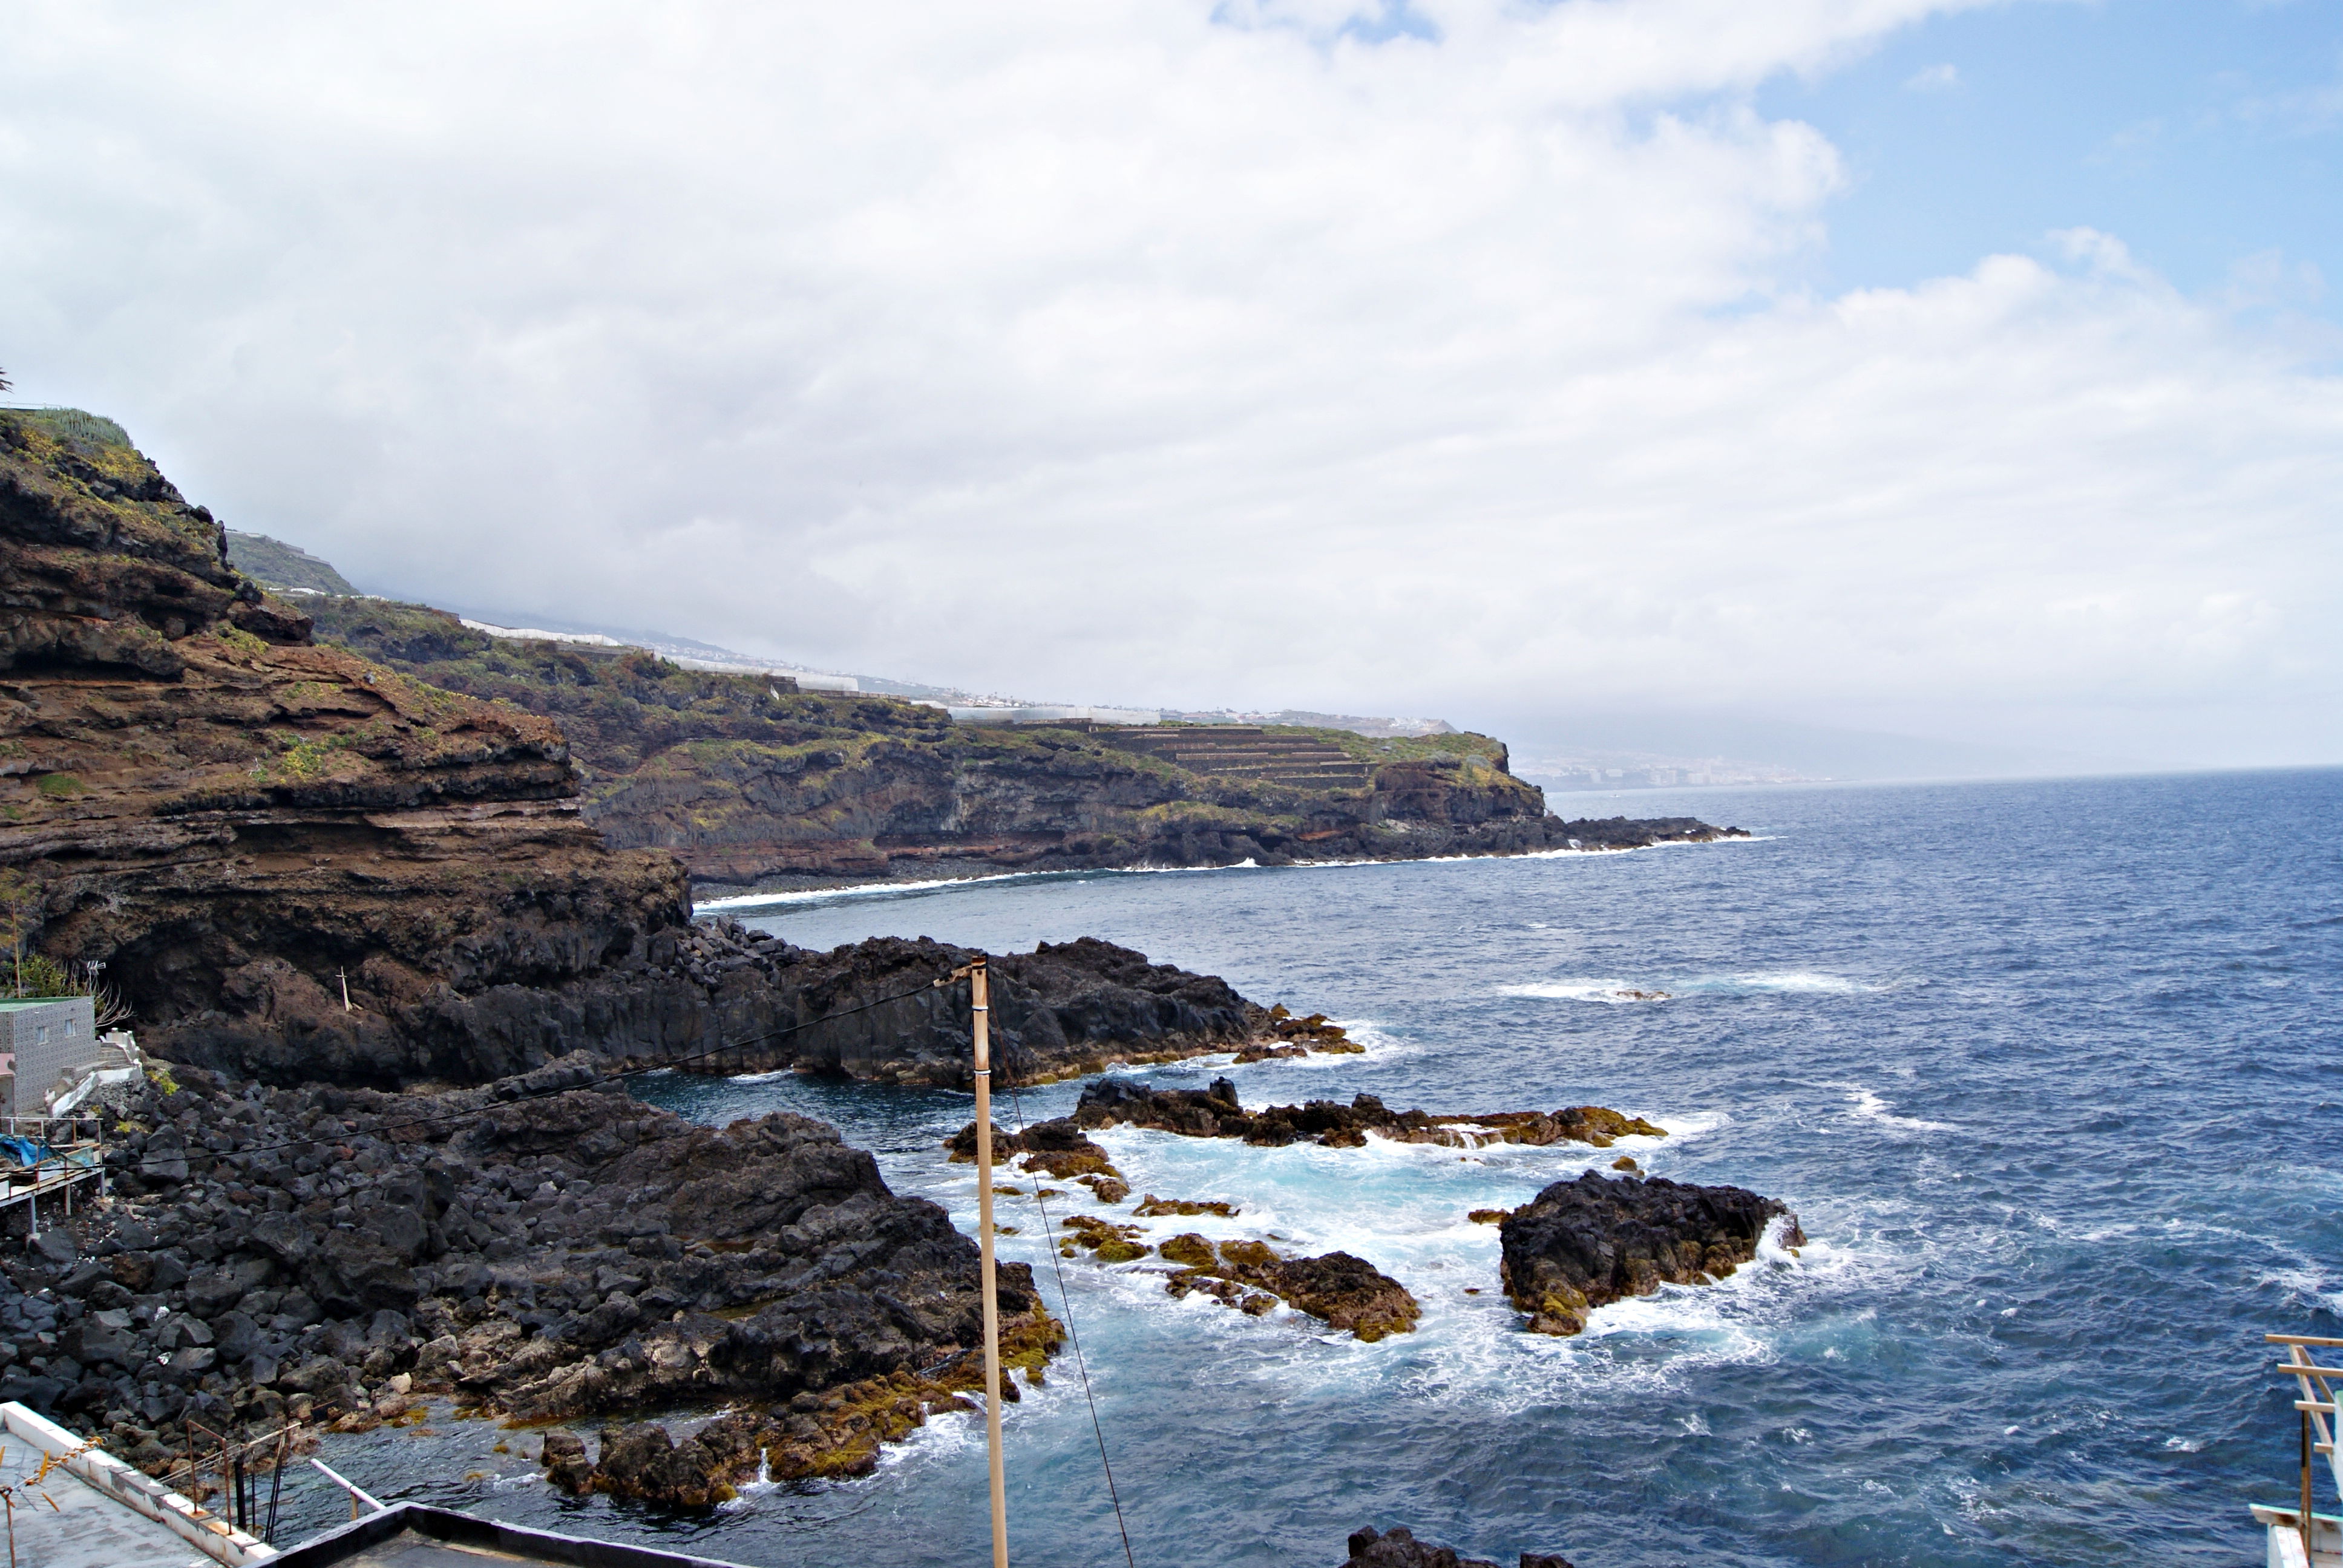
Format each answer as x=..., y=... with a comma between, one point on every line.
x=2318, y=1418
x=357, y=1496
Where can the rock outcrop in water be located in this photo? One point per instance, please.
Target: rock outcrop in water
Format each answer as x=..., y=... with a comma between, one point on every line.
x=1345, y=1290
x=1061, y=1010
x=1215, y=1113
x=1398, y=1548
x=531, y=1249
x=1598, y=1239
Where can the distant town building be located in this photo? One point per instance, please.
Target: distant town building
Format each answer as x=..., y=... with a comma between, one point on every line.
x=1045, y=713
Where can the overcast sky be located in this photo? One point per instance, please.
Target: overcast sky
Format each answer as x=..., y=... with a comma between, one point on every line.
x=1964, y=373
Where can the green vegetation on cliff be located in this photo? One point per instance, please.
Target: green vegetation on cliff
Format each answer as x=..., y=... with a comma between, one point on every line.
x=756, y=785
x=283, y=566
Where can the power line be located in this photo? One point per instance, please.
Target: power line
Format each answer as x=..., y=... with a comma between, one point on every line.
x=1057, y=1266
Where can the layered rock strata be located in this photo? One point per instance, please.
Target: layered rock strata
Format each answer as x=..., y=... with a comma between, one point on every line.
x=237, y=822
x=758, y=788
x=299, y=863
x=529, y=1249
x=1596, y=1238
x=1215, y=1113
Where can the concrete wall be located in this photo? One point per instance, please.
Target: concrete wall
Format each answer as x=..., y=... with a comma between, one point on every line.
x=46, y=1038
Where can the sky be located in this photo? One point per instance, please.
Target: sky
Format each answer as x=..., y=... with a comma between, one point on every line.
x=1967, y=372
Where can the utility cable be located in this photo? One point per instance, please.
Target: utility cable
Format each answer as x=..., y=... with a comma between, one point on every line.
x=1017, y=1108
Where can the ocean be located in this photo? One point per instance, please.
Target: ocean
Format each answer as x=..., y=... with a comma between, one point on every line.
x=2052, y=1073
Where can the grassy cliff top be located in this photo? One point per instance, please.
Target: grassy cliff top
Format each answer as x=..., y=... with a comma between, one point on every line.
x=73, y=426
x=282, y=566
x=621, y=707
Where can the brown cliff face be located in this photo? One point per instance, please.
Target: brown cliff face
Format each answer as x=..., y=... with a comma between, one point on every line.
x=753, y=786
x=231, y=818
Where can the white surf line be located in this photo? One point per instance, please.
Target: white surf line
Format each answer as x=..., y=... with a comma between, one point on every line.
x=884, y=890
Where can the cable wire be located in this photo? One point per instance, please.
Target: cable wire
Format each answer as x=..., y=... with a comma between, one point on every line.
x=1048, y=1235
x=1058, y=1266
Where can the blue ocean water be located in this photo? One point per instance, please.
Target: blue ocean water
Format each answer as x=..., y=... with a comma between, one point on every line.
x=2048, y=1070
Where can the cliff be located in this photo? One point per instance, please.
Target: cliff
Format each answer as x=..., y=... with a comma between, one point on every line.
x=274, y=564
x=232, y=819
x=753, y=786
x=247, y=828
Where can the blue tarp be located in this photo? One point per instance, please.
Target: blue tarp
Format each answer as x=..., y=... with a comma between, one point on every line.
x=25, y=1151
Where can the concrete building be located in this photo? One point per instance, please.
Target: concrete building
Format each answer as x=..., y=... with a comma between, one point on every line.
x=42, y=1039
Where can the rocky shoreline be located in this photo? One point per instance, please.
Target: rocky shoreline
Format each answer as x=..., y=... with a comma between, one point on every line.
x=1215, y=1113
x=548, y=1249
x=1577, y=1245
x=394, y=962
x=760, y=789
x=543, y=1249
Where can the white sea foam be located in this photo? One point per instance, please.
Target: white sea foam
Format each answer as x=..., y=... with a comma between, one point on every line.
x=1614, y=992
x=2306, y=1286
x=1379, y=1047
x=1870, y=1108
x=893, y=889
x=856, y=890
x=1404, y=1207
x=1794, y=982
x=1759, y=982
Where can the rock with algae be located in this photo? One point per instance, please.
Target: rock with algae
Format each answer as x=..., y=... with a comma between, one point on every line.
x=1215, y=1113
x=1346, y=1291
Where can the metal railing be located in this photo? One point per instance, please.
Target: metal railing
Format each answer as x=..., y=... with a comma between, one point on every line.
x=2316, y=1410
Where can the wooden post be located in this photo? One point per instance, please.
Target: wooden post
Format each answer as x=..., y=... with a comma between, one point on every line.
x=980, y=1013
x=2306, y=1485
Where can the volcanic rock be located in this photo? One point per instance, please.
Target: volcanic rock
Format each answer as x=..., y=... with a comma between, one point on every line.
x=759, y=786
x=581, y=1254
x=297, y=863
x=1347, y=1291
x=1215, y=1113
x=1057, y=1147
x=1398, y=1548
x=1597, y=1238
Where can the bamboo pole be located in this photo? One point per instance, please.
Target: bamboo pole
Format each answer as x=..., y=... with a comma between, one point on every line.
x=980, y=1008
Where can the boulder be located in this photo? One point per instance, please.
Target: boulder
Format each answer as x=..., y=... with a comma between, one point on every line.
x=1349, y=1292
x=103, y=1337
x=563, y=1456
x=1398, y=1548
x=351, y=1274
x=642, y=1462
x=30, y=1388
x=1580, y=1243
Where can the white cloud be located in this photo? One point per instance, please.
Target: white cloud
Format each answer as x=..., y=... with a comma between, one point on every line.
x=1941, y=78
x=1111, y=352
